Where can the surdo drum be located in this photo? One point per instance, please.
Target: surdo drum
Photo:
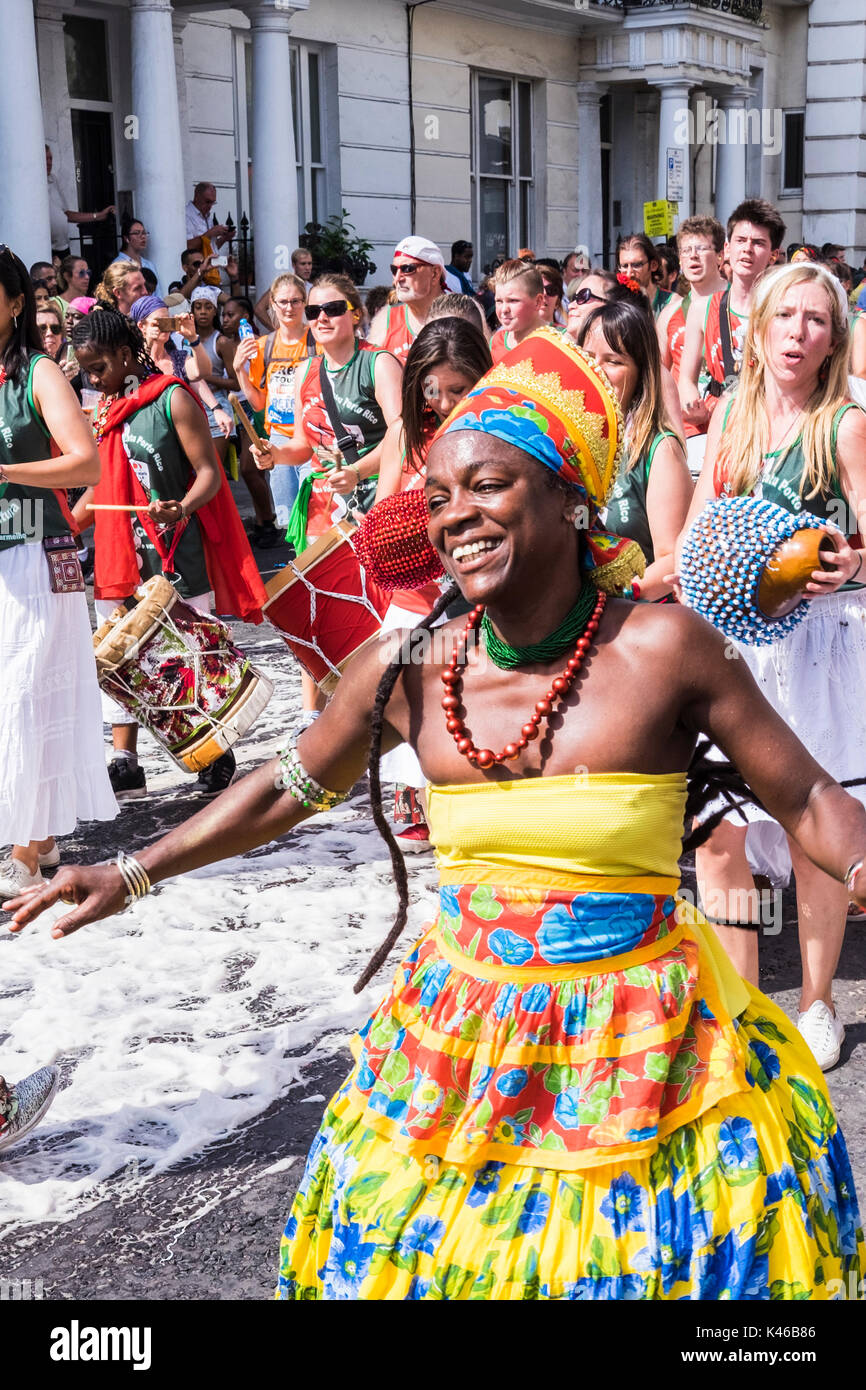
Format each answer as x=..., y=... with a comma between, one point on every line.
x=324, y=605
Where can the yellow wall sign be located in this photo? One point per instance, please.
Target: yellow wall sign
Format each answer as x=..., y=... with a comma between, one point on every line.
x=658, y=218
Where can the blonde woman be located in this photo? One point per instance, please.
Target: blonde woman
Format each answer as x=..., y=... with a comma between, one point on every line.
x=792, y=435
x=266, y=369
x=652, y=494
x=121, y=285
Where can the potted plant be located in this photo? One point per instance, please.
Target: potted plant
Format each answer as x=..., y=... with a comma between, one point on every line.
x=336, y=247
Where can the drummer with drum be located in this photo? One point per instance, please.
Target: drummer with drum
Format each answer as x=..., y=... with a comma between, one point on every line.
x=162, y=506
x=344, y=402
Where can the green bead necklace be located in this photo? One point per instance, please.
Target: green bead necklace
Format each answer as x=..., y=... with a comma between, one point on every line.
x=573, y=625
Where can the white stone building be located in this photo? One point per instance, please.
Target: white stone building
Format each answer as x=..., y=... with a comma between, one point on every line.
x=544, y=123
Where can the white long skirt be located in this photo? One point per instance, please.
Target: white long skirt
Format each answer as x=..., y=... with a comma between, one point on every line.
x=815, y=678
x=52, y=758
x=401, y=764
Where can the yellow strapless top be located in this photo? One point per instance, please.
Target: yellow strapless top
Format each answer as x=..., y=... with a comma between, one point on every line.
x=619, y=824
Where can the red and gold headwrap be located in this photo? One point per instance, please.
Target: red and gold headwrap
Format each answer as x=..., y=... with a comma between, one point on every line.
x=554, y=402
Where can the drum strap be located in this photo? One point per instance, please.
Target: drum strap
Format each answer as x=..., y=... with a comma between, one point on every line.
x=154, y=533
x=345, y=443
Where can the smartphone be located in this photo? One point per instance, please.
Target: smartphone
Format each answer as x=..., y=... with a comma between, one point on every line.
x=220, y=261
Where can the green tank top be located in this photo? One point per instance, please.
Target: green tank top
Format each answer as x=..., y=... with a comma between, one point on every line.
x=26, y=513
x=163, y=469
x=626, y=510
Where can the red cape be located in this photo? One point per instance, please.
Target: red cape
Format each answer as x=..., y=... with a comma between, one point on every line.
x=231, y=568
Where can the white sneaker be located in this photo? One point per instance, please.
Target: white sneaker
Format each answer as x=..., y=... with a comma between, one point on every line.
x=15, y=877
x=50, y=859
x=823, y=1032
x=23, y=1105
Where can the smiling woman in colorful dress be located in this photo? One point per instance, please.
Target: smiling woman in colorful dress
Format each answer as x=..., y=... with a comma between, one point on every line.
x=567, y=1092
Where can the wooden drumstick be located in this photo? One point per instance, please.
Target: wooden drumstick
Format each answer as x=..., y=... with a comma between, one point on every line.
x=245, y=423
x=115, y=507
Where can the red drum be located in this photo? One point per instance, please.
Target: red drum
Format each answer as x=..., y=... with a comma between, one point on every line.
x=325, y=606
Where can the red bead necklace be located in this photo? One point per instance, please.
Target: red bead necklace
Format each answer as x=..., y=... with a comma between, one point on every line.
x=452, y=679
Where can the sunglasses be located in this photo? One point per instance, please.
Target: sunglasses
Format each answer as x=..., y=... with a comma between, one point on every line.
x=407, y=269
x=332, y=310
x=584, y=296
x=551, y=292
x=54, y=330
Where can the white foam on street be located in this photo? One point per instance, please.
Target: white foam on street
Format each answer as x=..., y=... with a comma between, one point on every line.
x=184, y=1018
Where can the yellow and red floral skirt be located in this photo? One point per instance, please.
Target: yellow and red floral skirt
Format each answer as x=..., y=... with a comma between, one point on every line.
x=554, y=1101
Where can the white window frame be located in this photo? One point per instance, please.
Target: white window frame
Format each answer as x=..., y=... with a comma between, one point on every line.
x=515, y=180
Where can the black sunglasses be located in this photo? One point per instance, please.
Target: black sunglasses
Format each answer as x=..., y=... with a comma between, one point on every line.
x=406, y=269
x=333, y=309
x=584, y=296
x=549, y=290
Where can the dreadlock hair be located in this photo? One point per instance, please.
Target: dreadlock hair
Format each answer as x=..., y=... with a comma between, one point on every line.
x=25, y=338
x=398, y=864
x=108, y=328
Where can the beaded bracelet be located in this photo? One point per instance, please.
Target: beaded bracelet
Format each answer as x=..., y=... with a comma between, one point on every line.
x=295, y=778
x=134, y=876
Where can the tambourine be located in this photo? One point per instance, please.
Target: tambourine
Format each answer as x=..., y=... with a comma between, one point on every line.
x=745, y=565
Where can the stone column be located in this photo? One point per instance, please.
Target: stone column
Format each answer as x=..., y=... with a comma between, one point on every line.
x=54, y=83
x=589, y=210
x=275, y=178
x=674, y=133
x=23, y=181
x=160, y=195
x=179, y=21
x=732, y=134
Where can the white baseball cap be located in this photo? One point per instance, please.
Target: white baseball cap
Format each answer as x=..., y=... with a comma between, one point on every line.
x=421, y=250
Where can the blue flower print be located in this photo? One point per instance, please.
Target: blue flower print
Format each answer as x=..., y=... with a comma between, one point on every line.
x=574, y=1015
x=509, y=947
x=595, y=924
x=566, y=1108
x=535, y=999
x=449, y=903
x=625, y=1205
x=505, y=1001
x=347, y=1264
x=433, y=983
x=423, y=1235
x=738, y=1147
x=536, y=1210
x=480, y=1084
x=486, y=1184
x=366, y=1078
x=418, y=1289
x=381, y=1102
x=767, y=1057
x=512, y=1082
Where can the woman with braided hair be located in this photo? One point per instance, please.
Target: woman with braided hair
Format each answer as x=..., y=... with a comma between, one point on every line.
x=567, y=1092
x=156, y=450
x=52, y=768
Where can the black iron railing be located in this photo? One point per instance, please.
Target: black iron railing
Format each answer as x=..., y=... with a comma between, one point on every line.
x=739, y=9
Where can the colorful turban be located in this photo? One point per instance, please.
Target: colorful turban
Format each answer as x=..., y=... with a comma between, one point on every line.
x=554, y=402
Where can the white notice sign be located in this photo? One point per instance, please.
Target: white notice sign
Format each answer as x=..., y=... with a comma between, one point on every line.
x=675, y=175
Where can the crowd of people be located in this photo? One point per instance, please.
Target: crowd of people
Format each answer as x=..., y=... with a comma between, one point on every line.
x=569, y=1054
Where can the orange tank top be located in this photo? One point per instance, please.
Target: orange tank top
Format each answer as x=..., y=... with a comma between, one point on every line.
x=399, y=336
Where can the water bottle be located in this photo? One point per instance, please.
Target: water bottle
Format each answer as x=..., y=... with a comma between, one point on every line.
x=245, y=329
